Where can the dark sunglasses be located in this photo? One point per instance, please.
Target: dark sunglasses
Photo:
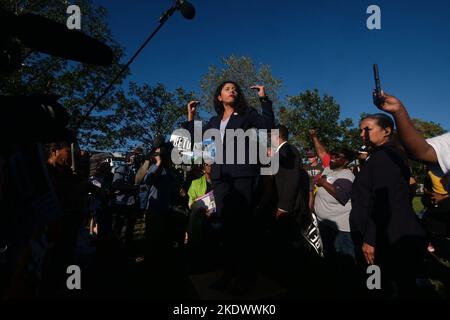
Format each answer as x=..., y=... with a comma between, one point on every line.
x=338, y=155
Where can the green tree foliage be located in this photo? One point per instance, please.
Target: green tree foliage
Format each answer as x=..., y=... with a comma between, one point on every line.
x=243, y=71
x=78, y=84
x=350, y=134
x=147, y=112
x=309, y=110
x=428, y=128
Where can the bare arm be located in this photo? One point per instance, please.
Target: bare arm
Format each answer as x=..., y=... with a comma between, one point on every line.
x=192, y=109
x=331, y=189
x=140, y=174
x=311, y=200
x=416, y=146
x=320, y=149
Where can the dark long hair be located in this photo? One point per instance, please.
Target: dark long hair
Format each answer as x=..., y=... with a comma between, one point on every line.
x=383, y=120
x=241, y=103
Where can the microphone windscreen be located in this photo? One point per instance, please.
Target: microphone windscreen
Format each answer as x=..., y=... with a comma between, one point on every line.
x=187, y=10
x=44, y=35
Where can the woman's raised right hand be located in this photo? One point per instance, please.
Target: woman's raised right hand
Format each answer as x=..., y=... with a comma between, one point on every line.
x=192, y=109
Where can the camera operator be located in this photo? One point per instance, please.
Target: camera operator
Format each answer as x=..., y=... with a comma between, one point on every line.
x=162, y=181
x=42, y=201
x=100, y=198
x=125, y=200
x=71, y=191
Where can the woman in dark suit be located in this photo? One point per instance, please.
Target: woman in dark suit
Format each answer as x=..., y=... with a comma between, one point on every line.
x=234, y=181
x=384, y=225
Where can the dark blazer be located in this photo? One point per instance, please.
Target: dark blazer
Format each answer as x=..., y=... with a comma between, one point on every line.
x=290, y=178
x=246, y=120
x=382, y=212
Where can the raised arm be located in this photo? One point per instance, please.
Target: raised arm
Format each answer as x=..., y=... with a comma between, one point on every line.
x=266, y=120
x=416, y=146
x=320, y=149
x=140, y=174
x=192, y=109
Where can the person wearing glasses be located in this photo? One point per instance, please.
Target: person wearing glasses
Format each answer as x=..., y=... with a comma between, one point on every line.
x=332, y=202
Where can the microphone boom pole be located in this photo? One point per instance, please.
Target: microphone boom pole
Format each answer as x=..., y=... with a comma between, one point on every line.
x=165, y=16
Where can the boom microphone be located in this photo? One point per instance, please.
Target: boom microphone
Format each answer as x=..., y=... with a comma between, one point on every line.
x=187, y=9
x=44, y=35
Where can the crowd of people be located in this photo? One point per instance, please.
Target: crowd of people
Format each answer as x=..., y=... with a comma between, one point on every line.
x=259, y=223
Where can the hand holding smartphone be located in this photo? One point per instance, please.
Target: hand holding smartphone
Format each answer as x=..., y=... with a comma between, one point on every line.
x=377, y=98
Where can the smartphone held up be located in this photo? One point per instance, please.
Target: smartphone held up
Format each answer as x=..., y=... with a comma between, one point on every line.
x=377, y=97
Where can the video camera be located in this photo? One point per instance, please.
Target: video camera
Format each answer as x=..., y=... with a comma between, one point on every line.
x=41, y=114
x=28, y=201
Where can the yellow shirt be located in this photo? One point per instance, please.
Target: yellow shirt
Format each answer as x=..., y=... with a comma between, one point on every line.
x=436, y=183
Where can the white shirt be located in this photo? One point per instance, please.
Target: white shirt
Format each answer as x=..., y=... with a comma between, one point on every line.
x=278, y=149
x=223, y=125
x=329, y=209
x=441, y=144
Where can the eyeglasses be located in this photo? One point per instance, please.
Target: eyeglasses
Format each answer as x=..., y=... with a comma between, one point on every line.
x=338, y=155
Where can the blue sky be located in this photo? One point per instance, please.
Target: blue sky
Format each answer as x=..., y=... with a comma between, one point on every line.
x=322, y=44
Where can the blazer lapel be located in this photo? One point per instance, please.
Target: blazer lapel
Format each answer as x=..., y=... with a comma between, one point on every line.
x=216, y=122
x=232, y=121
